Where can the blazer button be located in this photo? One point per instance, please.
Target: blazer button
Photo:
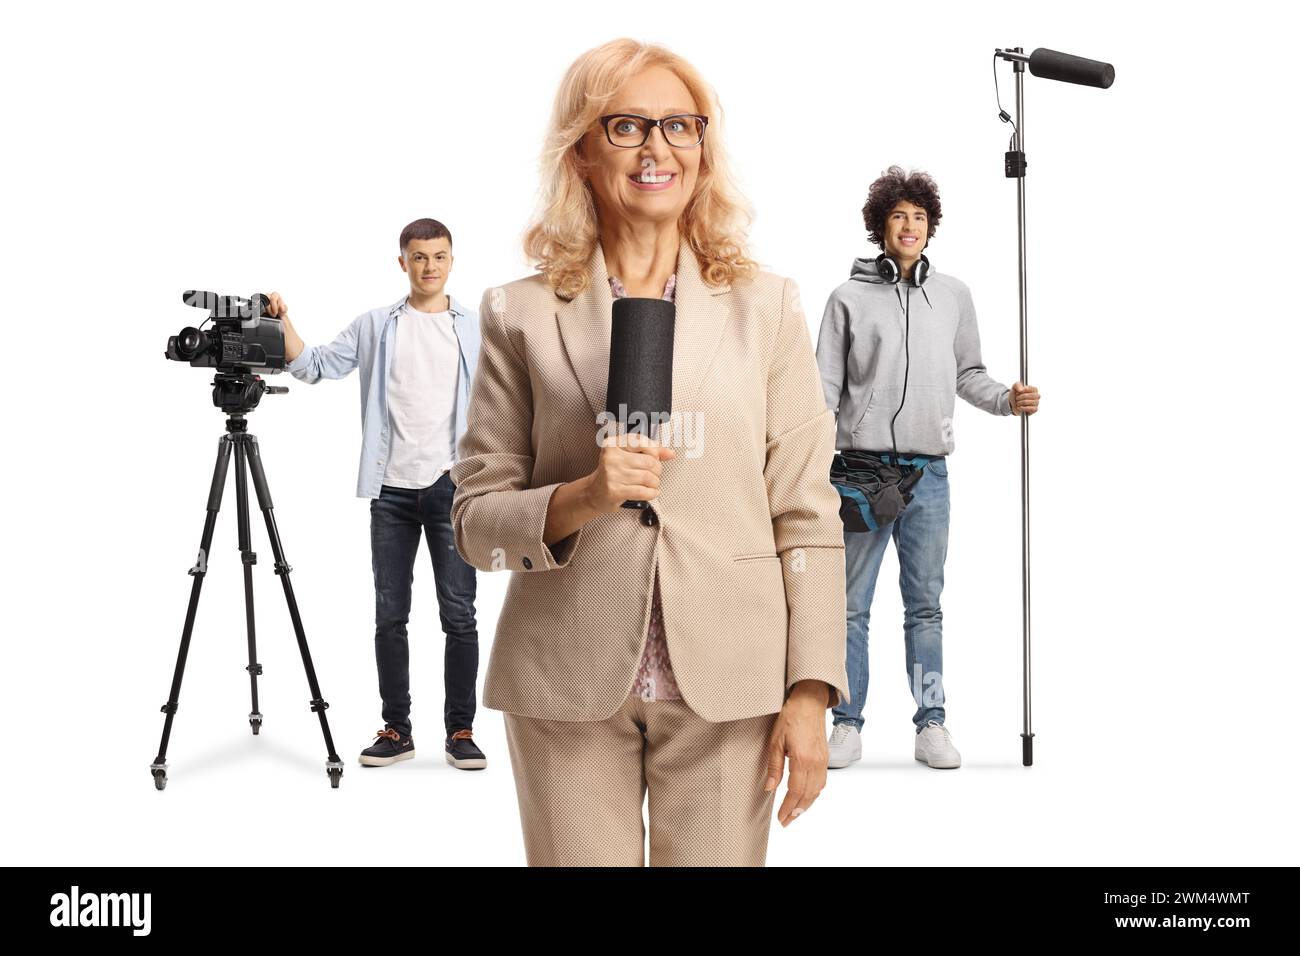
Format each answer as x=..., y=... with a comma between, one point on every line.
x=649, y=518
x=528, y=563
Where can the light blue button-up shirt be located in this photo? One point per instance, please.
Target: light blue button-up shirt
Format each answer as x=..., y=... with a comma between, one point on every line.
x=367, y=344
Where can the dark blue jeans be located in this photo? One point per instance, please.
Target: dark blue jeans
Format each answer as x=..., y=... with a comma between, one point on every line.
x=397, y=518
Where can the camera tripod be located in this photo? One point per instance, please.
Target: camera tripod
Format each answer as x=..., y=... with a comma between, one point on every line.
x=237, y=394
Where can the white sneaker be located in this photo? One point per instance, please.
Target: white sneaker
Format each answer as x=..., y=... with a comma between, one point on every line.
x=934, y=747
x=845, y=746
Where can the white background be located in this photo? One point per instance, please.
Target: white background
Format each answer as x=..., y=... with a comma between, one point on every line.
x=153, y=148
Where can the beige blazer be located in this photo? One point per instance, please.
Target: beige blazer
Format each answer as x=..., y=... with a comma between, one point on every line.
x=748, y=539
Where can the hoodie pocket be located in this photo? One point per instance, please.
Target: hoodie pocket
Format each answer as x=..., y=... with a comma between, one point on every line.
x=871, y=401
x=880, y=408
x=930, y=421
x=923, y=425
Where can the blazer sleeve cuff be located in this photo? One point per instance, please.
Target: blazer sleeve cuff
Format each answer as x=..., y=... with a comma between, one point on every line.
x=834, y=697
x=815, y=596
x=502, y=530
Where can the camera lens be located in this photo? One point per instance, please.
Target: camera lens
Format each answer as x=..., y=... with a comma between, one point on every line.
x=189, y=343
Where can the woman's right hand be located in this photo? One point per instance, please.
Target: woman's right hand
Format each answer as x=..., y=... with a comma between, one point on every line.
x=629, y=469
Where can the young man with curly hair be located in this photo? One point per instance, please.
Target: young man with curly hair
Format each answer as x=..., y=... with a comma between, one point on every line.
x=892, y=377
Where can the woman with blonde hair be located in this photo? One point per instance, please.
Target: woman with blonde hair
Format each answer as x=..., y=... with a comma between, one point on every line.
x=689, y=649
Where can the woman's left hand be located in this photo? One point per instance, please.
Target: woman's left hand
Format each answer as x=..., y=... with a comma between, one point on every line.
x=800, y=735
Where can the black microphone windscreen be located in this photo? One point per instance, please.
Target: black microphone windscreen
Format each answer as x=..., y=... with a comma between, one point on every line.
x=640, y=390
x=1054, y=65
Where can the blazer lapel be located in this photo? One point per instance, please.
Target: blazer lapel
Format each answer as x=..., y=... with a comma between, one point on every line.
x=585, y=323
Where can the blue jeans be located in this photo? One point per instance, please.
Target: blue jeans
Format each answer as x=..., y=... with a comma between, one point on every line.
x=397, y=517
x=920, y=536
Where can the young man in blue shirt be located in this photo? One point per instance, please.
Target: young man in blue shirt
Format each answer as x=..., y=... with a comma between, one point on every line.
x=417, y=358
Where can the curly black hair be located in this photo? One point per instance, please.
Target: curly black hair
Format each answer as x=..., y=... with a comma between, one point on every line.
x=894, y=186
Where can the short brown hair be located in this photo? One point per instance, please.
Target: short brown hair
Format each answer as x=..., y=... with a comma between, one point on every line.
x=423, y=229
x=894, y=186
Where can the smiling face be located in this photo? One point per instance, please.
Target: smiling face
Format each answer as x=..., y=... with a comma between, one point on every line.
x=906, y=229
x=652, y=183
x=427, y=262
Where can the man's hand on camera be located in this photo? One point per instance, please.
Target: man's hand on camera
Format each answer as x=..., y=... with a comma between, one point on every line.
x=293, y=343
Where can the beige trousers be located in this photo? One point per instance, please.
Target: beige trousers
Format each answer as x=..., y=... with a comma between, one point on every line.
x=581, y=785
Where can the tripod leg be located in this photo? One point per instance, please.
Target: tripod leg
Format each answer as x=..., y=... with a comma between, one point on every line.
x=198, y=572
x=249, y=558
x=333, y=765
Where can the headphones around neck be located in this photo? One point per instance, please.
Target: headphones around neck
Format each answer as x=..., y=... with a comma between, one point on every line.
x=891, y=272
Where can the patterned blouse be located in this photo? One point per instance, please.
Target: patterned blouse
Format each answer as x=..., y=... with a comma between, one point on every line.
x=654, y=676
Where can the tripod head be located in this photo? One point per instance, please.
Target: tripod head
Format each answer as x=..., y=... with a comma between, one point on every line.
x=237, y=393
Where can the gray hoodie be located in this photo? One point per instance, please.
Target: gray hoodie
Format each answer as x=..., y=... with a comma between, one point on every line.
x=876, y=336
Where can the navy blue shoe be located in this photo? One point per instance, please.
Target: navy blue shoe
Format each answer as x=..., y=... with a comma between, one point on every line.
x=463, y=753
x=389, y=747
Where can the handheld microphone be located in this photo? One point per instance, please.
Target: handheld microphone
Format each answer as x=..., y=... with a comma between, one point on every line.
x=640, y=391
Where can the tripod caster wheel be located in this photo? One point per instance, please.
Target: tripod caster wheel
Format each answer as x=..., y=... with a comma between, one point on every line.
x=160, y=779
x=335, y=776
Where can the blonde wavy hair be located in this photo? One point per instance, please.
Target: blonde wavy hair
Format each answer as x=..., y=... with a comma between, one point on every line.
x=564, y=231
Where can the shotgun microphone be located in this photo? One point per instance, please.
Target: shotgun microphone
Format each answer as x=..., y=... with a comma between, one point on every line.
x=1053, y=65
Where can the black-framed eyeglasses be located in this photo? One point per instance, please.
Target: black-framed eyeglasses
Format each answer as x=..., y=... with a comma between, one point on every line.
x=630, y=131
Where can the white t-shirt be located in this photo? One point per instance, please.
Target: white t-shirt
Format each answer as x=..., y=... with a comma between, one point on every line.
x=422, y=383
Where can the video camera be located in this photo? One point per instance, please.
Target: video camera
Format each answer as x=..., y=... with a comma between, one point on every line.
x=242, y=337
x=242, y=342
